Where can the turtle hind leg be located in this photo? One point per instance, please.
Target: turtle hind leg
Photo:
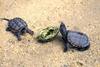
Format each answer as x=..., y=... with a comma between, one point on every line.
x=8, y=29
x=29, y=31
x=17, y=34
x=83, y=48
x=66, y=45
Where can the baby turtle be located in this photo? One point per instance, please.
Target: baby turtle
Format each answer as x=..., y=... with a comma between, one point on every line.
x=47, y=34
x=18, y=27
x=74, y=39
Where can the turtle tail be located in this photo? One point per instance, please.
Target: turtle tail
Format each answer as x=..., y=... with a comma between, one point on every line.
x=5, y=19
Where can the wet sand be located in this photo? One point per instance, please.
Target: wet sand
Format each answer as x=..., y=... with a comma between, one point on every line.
x=78, y=15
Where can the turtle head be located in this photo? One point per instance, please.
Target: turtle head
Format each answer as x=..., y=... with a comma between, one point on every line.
x=63, y=29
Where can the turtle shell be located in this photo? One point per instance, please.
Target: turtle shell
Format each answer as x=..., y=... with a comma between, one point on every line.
x=17, y=24
x=47, y=34
x=78, y=40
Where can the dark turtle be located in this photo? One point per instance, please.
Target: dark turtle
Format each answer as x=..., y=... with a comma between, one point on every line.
x=18, y=27
x=74, y=39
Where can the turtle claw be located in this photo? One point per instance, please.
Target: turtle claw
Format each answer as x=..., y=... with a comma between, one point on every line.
x=19, y=39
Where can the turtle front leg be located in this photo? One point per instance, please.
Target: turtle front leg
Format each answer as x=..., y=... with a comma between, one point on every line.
x=29, y=31
x=8, y=29
x=66, y=45
x=17, y=34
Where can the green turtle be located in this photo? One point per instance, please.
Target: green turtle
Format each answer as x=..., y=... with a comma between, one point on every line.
x=47, y=34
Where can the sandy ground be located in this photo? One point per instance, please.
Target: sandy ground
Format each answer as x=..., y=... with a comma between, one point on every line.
x=79, y=15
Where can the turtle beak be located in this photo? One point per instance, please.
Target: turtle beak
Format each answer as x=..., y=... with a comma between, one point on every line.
x=62, y=29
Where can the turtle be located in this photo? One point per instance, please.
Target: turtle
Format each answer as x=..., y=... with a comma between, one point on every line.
x=74, y=39
x=48, y=34
x=18, y=27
